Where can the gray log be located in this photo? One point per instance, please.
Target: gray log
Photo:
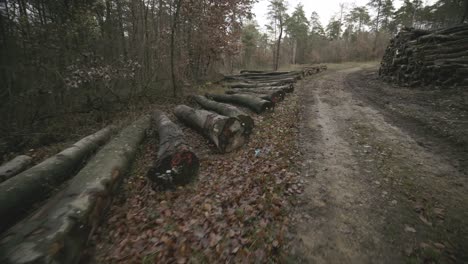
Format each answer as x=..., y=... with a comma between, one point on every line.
x=58, y=232
x=176, y=164
x=227, y=110
x=254, y=103
x=19, y=194
x=14, y=166
x=226, y=133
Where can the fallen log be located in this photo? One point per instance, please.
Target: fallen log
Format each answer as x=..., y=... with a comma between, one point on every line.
x=273, y=97
x=226, y=133
x=59, y=231
x=254, y=103
x=281, y=89
x=19, y=194
x=227, y=110
x=176, y=164
x=253, y=84
x=277, y=94
x=14, y=166
x=251, y=71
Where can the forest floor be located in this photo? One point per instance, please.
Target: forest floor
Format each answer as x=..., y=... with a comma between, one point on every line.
x=386, y=172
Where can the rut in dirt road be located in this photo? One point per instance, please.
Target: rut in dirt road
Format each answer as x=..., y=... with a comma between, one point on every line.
x=373, y=194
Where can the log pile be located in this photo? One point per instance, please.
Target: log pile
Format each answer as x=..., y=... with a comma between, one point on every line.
x=427, y=58
x=58, y=231
x=310, y=70
x=19, y=194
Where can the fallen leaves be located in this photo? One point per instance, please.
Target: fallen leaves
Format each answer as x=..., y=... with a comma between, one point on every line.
x=237, y=210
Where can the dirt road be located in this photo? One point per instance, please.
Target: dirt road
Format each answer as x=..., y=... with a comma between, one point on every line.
x=380, y=189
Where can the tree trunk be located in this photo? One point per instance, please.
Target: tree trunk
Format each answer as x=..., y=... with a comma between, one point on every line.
x=284, y=88
x=173, y=31
x=279, y=46
x=176, y=164
x=58, y=232
x=19, y=194
x=227, y=110
x=226, y=133
x=254, y=84
x=14, y=166
x=253, y=103
x=272, y=96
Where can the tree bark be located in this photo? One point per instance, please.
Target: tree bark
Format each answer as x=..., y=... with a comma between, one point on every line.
x=280, y=93
x=227, y=110
x=254, y=84
x=278, y=48
x=19, y=194
x=173, y=31
x=284, y=88
x=14, y=166
x=176, y=164
x=253, y=103
x=272, y=96
x=58, y=232
x=226, y=133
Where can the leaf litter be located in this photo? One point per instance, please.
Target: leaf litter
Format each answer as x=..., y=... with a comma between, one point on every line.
x=236, y=211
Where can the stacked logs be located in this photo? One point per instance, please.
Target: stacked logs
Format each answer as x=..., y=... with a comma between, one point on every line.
x=58, y=231
x=222, y=122
x=420, y=57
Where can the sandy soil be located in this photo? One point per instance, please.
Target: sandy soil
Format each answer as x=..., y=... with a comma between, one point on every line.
x=382, y=188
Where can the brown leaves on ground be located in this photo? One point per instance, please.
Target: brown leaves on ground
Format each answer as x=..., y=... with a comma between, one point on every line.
x=236, y=211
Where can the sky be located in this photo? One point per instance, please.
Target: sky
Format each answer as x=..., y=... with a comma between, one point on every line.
x=325, y=8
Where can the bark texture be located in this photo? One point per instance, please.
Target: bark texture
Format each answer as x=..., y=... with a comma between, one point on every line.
x=176, y=164
x=227, y=110
x=58, y=232
x=19, y=194
x=14, y=166
x=420, y=57
x=254, y=103
x=226, y=133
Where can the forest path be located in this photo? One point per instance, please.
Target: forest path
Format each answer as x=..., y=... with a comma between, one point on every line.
x=374, y=194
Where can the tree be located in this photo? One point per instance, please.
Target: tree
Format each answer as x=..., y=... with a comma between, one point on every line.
x=387, y=12
x=297, y=27
x=358, y=17
x=250, y=41
x=277, y=15
x=316, y=27
x=333, y=29
x=175, y=19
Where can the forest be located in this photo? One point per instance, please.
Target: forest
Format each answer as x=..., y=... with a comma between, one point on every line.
x=62, y=57
x=188, y=131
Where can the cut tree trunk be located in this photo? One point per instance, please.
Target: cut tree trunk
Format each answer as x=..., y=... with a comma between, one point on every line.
x=14, y=166
x=284, y=88
x=268, y=97
x=272, y=96
x=254, y=103
x=176, y=164
x=227, y=110
x=19, y=194
x=58, y=232
x=226, y=133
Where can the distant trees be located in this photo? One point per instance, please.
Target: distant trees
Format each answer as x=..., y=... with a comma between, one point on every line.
x=62, y=57
x=277, y=16
x=297, y=27
x=358, y=17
